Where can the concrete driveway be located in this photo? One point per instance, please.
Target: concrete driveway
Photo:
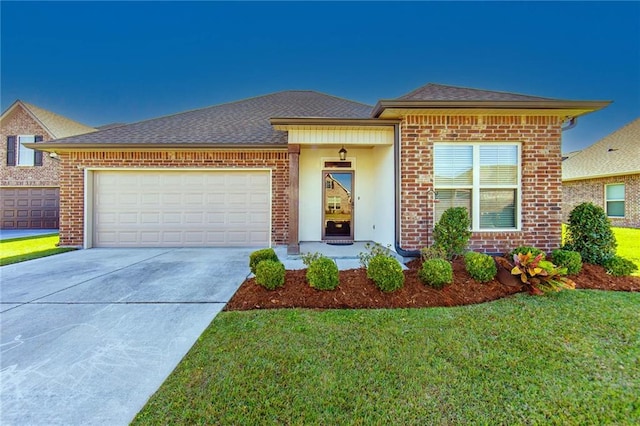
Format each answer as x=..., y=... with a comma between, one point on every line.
x=88, y=336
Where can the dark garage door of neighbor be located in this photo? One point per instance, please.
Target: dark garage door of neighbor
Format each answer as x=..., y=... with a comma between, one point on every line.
x=30, y=208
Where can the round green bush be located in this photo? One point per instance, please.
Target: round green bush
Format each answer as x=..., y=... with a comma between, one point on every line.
x=270, y=274
x=259, y=255
x=436, y=272
x=386, y=272
x=452, y=232
x=619, y=266
x=480, y=266
x=527, y=249
x=323, y=274
x=568, y=259
x=589, y=233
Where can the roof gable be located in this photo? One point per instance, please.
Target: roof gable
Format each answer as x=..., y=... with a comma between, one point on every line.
x=244, y=122
x=56, y=125
x=614, y=155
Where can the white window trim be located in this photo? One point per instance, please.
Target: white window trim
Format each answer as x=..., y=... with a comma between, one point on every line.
x=475, y=187
x=19, y=151
x=623, y=199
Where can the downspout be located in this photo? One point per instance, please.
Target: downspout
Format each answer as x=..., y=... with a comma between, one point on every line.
x=396, y=159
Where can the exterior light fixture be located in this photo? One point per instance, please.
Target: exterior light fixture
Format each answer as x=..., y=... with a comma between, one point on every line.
x=343, y=153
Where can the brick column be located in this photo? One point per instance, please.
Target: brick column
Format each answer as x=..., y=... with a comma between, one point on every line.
x=294, y=187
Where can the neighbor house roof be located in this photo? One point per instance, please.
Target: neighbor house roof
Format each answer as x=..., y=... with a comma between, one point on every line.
x=439, y=98
x=56, y=125
x=244, y=122
x=614, y=155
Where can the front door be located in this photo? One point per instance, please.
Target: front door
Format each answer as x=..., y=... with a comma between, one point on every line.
x=337, y=205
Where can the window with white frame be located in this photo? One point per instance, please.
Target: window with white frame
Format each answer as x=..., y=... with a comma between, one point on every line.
x=25, y=155
x=614, y=199
x=484, y=178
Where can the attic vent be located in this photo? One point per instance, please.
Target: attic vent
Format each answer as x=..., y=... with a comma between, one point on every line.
x=612, y=149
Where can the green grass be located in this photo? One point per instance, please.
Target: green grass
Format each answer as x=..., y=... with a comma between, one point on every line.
x=629, y=245
x=27, y=248
x=568, y=358
x=628, y=240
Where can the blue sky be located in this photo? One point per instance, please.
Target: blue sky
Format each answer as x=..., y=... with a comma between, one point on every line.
x=104, y=62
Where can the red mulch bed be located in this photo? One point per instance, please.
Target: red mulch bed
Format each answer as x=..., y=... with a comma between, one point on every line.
x=357, y=291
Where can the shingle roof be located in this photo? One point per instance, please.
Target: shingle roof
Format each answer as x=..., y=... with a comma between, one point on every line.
x=236, y=123
x=57, y=125
x=440, y=92
x=615, y=154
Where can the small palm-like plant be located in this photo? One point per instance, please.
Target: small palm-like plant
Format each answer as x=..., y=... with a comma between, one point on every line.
x=540, y=275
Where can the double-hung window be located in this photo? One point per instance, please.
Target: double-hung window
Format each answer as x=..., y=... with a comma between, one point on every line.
x=614, y=199
x=26, y=155
x=484, y=178
x=19, y=155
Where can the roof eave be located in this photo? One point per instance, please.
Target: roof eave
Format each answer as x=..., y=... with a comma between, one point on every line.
x=601, y=175
x=282, y=123
x=72, y=147
x=591, y=106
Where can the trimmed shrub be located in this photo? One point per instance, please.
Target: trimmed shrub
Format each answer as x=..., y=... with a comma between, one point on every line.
x=452, y=233
x=373, y=250
x=323, y=274
x=436, y=272
x=480, y=266
x=568, y=259
x=308, y=258
x=259, y=255
x=386, y=272
x=429, y=253
x=589, y=233
x=270, y=274
x=619, y=266
x=525, y=250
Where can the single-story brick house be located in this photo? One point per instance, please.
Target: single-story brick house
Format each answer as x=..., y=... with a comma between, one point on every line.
x=254, y=172
x=29, y=179
x=607, y=174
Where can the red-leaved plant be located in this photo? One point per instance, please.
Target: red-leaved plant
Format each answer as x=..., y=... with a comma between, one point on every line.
x=540, y=275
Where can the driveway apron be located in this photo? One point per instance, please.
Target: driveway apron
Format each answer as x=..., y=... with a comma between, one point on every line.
x=88, y=336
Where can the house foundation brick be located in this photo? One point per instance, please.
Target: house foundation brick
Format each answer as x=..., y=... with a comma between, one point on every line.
x=73, y=165
x=540, y=204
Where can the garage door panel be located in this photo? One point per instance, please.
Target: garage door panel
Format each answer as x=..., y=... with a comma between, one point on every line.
x=29, y=208
x=181, y=208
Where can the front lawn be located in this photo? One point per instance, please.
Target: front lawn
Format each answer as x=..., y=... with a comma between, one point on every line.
x=21, y=249
x=567, y=358
x=629, y=245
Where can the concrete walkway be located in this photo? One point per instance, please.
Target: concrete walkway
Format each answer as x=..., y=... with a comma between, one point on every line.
x=88, y=336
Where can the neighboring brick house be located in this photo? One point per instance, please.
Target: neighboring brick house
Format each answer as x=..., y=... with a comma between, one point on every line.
x=252, y=172
x=607, y=174
x=29, y=179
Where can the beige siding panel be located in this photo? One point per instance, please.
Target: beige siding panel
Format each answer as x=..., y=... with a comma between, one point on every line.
x=365, y=137
x=181, y=208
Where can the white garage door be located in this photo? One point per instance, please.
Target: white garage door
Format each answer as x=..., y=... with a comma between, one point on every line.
x=181, y=208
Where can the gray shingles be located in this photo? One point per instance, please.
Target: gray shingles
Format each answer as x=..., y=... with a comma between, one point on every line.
x=439, y=92
x=242, y=122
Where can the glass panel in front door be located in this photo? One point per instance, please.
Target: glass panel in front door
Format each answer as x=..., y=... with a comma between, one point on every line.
x=338, y=205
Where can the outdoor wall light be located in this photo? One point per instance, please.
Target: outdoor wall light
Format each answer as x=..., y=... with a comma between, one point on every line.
x=343, y=153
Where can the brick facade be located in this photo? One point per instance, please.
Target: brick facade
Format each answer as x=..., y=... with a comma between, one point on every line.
x=74, y=163
x=593, y=190
x=19, y=122
x=541, y=196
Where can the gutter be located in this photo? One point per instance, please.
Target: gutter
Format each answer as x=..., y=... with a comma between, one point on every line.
x=396, y=158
